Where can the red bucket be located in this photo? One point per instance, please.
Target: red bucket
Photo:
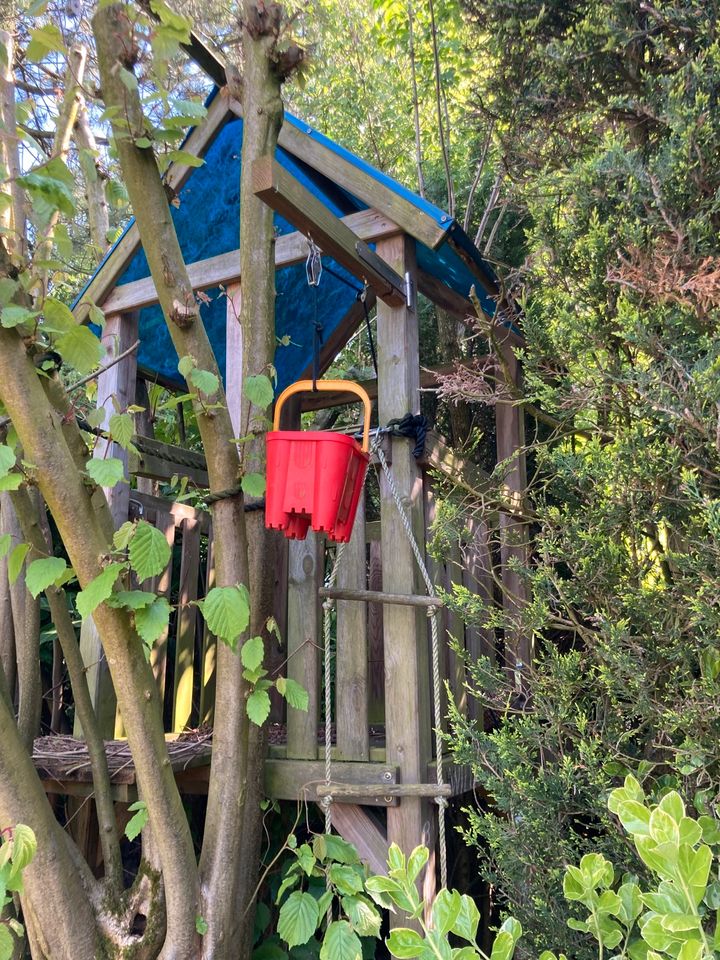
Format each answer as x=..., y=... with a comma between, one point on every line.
x=315, y=478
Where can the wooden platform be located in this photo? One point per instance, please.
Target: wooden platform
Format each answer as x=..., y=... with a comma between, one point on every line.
x=64, y=767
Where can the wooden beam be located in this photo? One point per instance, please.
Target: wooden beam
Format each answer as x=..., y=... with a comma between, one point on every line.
x=360, y=829
x=224, y=269
x=197, y=143
x=305, y=574
x=285, y=194
x=407, y=688
x=377, y=596
x=299, y=779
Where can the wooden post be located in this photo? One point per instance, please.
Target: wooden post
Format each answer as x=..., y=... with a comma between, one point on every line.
x=478, y=578
x=376, y=663
x=351, y=688
x=116, y=388
x=234, y=355
x=407, y=687
x=514, y=540
x=305, y=574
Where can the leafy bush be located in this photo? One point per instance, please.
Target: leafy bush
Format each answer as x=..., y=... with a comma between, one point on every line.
x=17, y=848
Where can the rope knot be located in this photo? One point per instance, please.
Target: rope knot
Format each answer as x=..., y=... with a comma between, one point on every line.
x=441, y=802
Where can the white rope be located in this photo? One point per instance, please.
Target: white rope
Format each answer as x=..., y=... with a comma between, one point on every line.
x=433, y=614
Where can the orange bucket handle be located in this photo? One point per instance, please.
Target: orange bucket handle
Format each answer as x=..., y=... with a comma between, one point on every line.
x=344, y=386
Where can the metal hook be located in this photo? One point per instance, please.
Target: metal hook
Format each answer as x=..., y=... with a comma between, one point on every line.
x=313, y=264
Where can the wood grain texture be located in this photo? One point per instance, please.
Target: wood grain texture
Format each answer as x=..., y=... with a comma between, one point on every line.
x=291, y=248
x=304, y=637
x=287, y=196
x=351, y=686
x=407, y=693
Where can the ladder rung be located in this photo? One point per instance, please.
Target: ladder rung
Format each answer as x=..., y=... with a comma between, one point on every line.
x=338, y=790
x=376, y=596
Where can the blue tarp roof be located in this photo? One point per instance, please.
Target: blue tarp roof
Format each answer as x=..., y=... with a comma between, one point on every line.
x=207, y=224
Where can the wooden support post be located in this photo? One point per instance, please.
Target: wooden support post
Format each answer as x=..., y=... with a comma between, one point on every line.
x=234, y=355
x=407, y=687
x=305, y=574
x=351, y=686
x=116, y=388
x=478, y=579
x=376, y=657
x=514, y=540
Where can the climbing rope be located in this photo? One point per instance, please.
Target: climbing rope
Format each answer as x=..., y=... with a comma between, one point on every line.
x=435, y=642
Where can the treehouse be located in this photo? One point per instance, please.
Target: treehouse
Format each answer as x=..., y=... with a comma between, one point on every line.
x=378, y=237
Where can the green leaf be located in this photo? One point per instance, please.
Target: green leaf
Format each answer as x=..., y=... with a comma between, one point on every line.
x=663, y=829
x=252, y=653
x=205, y=381
x=363, y=916
x=346, y=878
x=58, y=316
x=405, y=943
x=22, y=847
x=340, y=942
x=416, y=861
x=41, y=573
x=258, y=706
x=98, y=590
x=14, y=315
x=634, y=817
x=673, y=805
x=80, y=348
x=122, y=430
x=186, y=158
x=123, y=535
x=117, y=195
x=328, y=846
x=298, y=918
x=445, y=910
x=694, y=868
x=152, y=621
x=253, y=484
x=7, y=944
x=201, y=926
x=128, y=78
x=7, y=459
x=12, y=481
x=227, y=613
x=16, y=561
x=467, y=920
x=106, y=473
x=149, y=552
x=131, y=599
x=296, y=695
x=306, y=858
x=5, y=544
x=503, y=947
x=136, y=823
x=259, y=390
x=44, y=40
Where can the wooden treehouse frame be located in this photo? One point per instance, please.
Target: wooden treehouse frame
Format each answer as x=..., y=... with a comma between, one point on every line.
x=382, y=652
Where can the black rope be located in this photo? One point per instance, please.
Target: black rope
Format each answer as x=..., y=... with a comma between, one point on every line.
x=414, y=427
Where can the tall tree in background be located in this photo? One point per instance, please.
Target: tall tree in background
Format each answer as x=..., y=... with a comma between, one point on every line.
x=607, y=118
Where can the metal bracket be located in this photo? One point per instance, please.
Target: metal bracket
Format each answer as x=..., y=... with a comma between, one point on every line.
x=409, y=290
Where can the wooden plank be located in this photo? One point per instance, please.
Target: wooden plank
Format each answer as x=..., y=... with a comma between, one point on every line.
x=234, y=355
x=115, y=386
x=178, y=511
x=342, y=792
x=305, y=574
x=224, y=269
x=376, y=661
x=124, y=250
x=407, y=693
x=186, y=626
x=514, y=536
x=299, y=779
x=286, y=195
x=379, y=596
x=373, y=192
x=358, y=828
x=161, y=461
x=209, y=648
x=478, y=578
x=351, y=683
